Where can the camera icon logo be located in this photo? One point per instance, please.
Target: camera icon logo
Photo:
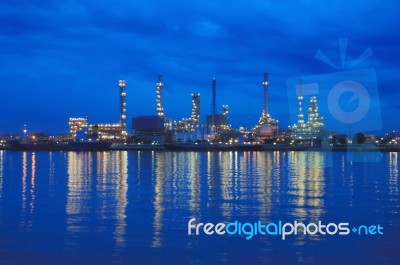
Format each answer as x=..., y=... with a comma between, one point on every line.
x=347, y=99
x=359, y=93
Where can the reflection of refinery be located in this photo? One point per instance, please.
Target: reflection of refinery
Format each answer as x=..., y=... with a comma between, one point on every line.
x=88, y=173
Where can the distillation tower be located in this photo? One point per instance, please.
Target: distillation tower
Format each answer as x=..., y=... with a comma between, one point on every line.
x=160, y=85
x=300, y=116
x=189, y=124
x=122, y=120
x=265, y=85
x=315, y=123
x=195, y=118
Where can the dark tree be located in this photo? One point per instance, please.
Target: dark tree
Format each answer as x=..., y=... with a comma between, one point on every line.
x=359, y=138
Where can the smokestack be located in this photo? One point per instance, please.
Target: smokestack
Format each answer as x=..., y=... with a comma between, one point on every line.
x=265, y=85
x=214, y=97
x=300, y=116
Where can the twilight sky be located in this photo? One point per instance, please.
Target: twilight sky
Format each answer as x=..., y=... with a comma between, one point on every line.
x=61, y=59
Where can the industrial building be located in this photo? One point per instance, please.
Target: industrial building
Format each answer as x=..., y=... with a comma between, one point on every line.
x=112, y=131
x=76, y=125
x=219, y=121
x=105, y=131
x=148, y=129
x=80, y=129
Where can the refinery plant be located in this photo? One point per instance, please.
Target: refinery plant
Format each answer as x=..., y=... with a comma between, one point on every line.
x=157, y=131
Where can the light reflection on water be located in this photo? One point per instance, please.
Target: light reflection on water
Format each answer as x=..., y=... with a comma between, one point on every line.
x=1, y=172
x=104, y=193
x=130, y=204
x=394, y=174
x=28, y=190
x=160, y=176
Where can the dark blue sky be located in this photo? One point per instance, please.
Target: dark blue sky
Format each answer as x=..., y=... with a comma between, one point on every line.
x=64, y=58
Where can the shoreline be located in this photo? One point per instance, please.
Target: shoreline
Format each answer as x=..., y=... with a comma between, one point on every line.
x=106, y=146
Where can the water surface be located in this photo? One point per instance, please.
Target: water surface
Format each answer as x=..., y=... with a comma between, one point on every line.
x=133, y=207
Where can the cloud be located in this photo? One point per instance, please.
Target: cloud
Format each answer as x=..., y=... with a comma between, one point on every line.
x=79, y=49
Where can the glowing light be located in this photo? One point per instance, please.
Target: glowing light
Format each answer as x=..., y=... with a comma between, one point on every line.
x=122, y=83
